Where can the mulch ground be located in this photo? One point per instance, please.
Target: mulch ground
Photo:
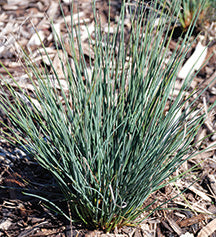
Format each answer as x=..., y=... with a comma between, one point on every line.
x=190, y=212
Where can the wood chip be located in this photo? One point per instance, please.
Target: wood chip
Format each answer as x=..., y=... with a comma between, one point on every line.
x=196, y=207
x=198, y=190
x=187, y=234
x=53, y=9
x=212, y=180
x=191, y=221
x=174, y=226
x=208, y=229
x=194, y=62
x=5, y=224
x=58, y=62
x=37, y=38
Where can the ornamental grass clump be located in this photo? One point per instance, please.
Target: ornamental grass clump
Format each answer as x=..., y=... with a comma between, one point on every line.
x=112, y=132
x=189, y=9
